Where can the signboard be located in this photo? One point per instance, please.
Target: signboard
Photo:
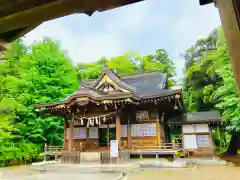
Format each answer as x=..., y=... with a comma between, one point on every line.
x=140, y=130
x=142, y=116
x=114, y=148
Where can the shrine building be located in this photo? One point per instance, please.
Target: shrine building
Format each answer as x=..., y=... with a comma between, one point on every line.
x=140, y=111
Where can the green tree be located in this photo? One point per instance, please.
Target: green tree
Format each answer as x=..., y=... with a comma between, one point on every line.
x=130, y=63
x=227, y=96
x=210, y=84
x=41, y=74
x=200, y=74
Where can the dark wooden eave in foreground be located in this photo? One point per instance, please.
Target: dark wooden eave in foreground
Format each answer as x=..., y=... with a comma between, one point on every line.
x=203, y=2
x=17, y=17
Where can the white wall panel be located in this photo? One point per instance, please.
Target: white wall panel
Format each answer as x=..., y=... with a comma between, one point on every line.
x=188, y=128
x=190, y=141
x=93, y=132
x=202, y=128
x=123, y=130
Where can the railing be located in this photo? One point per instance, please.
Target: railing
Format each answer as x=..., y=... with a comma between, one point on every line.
x=59, y=149
x=80, y=148
x=162, y=146
x=53, y=149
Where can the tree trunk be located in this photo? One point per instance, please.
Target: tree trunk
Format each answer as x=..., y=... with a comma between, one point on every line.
x=234, y=145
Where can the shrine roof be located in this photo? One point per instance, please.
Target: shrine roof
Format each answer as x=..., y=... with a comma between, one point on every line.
x=142, y=86
x=150, y=82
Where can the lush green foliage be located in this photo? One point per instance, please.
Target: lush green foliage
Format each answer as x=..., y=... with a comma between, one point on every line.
x=209, y=81
x=226, y=94
x=32, y=75
x=201, y=77
x=130, y=63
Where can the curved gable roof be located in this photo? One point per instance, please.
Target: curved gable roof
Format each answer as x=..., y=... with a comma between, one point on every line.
x=114, y=78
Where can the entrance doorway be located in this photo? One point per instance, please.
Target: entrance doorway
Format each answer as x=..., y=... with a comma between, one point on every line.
x=103, y=136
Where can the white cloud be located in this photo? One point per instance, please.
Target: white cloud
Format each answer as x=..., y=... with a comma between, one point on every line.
x=145, y=26
x=89, y=45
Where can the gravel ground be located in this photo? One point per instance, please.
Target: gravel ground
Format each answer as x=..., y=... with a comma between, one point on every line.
x=200, y=173
x=26, y=173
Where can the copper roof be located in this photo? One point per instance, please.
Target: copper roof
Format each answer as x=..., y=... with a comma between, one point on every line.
x=141, y=86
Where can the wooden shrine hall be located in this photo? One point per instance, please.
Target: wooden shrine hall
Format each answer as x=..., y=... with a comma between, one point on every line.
x=139, y=111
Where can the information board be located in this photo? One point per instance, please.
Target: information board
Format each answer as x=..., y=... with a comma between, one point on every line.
x=138, y=130
x=114, y=148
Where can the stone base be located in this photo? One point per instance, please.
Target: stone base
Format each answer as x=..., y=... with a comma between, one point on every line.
x=88, y=157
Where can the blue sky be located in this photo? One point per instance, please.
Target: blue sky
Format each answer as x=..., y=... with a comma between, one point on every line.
x=172, y=25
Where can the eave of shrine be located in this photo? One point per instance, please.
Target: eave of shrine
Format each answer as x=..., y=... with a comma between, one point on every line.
x=18, y=17
x=148, y=87
x=65, y=106
x=209, y=117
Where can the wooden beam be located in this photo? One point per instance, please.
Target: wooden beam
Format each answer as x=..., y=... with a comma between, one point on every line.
x=87, y=138
x=55, y=9
x=129, y=134
x=118, y=130
x=70, y=138
x=229, y=12
x=65, y=134
x=203, y=2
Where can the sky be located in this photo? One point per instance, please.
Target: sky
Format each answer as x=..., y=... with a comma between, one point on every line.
x=143, y=27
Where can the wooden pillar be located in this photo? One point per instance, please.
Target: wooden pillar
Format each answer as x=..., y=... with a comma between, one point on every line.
x=108, y=138
x=65, y=135
x=118, y=130
x=87, y=137
x=211, y=140
x=129, y=134
x=70, y=138
x=158, y=129
x=230, y=17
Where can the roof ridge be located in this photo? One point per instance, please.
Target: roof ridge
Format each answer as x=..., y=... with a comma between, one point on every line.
x=141, y=74
x=120, y=76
